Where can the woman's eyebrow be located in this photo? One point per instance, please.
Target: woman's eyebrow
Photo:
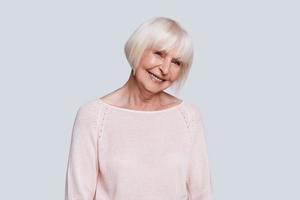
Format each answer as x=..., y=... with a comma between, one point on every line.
x=177, y=59
x=164, y=52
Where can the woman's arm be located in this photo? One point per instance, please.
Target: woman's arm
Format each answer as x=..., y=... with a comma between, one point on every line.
x=199, y=178
x=82, y=169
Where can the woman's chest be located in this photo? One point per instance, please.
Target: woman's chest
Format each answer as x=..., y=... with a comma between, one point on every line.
x=139, y=147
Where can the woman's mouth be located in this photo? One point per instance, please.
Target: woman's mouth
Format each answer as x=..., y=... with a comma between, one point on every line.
x=155, y=78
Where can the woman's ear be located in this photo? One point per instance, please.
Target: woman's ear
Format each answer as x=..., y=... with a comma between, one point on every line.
x=133, y=71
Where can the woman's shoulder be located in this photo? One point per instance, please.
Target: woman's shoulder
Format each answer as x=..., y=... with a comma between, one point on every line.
x=89, y=104
x=191, y=111
x=90, y=109
x=190, y=106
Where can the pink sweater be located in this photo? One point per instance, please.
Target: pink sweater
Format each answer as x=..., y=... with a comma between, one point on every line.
x=124, y=154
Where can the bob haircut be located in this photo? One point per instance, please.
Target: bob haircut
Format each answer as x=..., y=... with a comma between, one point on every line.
x=161, y=33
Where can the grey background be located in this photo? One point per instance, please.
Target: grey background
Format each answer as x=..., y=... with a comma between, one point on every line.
x=57, y=55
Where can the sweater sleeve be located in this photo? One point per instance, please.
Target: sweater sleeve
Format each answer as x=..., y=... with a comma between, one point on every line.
x=82, y=168
x=199, y=178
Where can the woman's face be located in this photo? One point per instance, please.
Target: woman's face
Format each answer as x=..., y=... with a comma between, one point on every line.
x=161, y=64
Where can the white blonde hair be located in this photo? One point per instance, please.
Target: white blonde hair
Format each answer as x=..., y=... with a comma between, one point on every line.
x=163, y=34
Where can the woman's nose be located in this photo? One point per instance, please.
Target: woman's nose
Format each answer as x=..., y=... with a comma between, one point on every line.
x=165, y=66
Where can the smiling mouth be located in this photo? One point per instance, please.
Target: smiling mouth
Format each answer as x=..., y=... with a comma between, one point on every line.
x=155, y=78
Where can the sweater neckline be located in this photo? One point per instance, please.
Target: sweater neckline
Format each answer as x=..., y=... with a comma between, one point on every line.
x=141, y=111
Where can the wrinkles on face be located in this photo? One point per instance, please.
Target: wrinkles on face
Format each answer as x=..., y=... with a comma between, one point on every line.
x=164, y=65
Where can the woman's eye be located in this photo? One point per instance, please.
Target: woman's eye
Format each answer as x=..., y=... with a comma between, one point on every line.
x=158, y=53
x=178, y=63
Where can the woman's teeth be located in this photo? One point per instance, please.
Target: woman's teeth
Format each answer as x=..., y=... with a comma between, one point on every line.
x=156, y=78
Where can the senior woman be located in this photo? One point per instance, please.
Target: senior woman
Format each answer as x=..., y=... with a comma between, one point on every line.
x=139, y=142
